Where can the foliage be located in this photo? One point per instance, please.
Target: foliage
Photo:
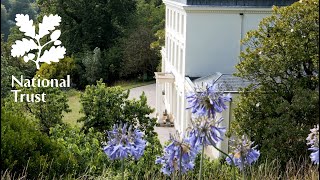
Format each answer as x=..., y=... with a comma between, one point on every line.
x=104, y=106
x=49, y=113
x=139, y=57
x=9, y=9
x=92, y=63
x=60, y=70
x=24, y=146
x=146, y=162
x=93, y=23
x=4, y=20
x=281, y=58
x=87, y=154
x=7, y=70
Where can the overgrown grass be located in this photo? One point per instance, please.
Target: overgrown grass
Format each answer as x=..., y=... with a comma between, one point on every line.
x=269, y=170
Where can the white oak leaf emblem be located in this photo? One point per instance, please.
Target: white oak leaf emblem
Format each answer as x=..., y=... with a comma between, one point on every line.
x=21, y=48
x=25, y=25
x=53, y=55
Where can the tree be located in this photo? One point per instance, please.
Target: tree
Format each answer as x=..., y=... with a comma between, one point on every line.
x=139, y=58
x=281, y=59
x=9, y=9
x=92, y=63
x=89, y=24
x=4, y=20
x=105, y=106
x=7, y=69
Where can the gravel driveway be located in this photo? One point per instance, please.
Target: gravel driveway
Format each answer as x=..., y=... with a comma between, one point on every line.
x=150, y=92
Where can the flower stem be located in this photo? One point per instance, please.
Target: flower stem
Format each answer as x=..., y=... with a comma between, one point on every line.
x=243, y=168
x=233, y=165
x=243, y=174
x=122, y=168
x=180, y=164
x=201, y=162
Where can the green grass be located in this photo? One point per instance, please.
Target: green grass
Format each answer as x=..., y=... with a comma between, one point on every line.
x=75, y=105
x=132, y=84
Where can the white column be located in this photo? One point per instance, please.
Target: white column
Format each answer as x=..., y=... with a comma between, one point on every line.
x=174, y=103
x=158, y=101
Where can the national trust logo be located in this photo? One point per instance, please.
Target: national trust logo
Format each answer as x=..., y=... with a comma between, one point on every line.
x=43, y=47
x=30, y=47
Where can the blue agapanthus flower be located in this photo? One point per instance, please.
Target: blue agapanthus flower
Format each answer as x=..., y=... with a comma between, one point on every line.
x=314, y=155
x=206, y=131
x=178, y=151
x=207, y=100
x=123, y=142
x=313, y=141
x=244, y=154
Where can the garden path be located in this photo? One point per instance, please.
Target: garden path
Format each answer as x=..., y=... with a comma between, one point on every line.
x=150, y=92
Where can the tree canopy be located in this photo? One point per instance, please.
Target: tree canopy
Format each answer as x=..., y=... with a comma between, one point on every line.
x=90, y=24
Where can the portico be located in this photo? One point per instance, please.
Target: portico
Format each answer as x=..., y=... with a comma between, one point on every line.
x=163, y=102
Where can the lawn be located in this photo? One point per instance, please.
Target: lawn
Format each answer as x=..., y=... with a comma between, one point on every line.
x=75, y=105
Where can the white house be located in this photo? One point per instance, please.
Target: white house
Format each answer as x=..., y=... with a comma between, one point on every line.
x=202, y=43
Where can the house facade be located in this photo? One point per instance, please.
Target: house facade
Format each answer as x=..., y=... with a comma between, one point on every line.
x=202, y=43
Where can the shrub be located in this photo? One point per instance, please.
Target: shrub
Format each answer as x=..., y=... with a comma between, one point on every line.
x=57, y=70
x=23, y=146
x=104, y=106
x=86, y=149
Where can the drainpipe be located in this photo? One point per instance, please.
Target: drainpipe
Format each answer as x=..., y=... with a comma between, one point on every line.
x=241, y=32
x=230, y=117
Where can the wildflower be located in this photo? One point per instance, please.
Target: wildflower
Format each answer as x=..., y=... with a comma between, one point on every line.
x=206, y=131
x=243, y=153
x=179, y=155
x=207, y=100
x=123, y=142
x=313, y=141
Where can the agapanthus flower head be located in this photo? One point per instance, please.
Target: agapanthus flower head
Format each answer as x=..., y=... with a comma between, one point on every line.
x=243, y=153
x=124, y=142
x=207, y=100
x=206, y=131
x=313, y=141
x=178, y=151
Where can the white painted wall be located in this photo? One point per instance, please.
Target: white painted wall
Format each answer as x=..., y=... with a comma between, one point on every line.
x=213, y=40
